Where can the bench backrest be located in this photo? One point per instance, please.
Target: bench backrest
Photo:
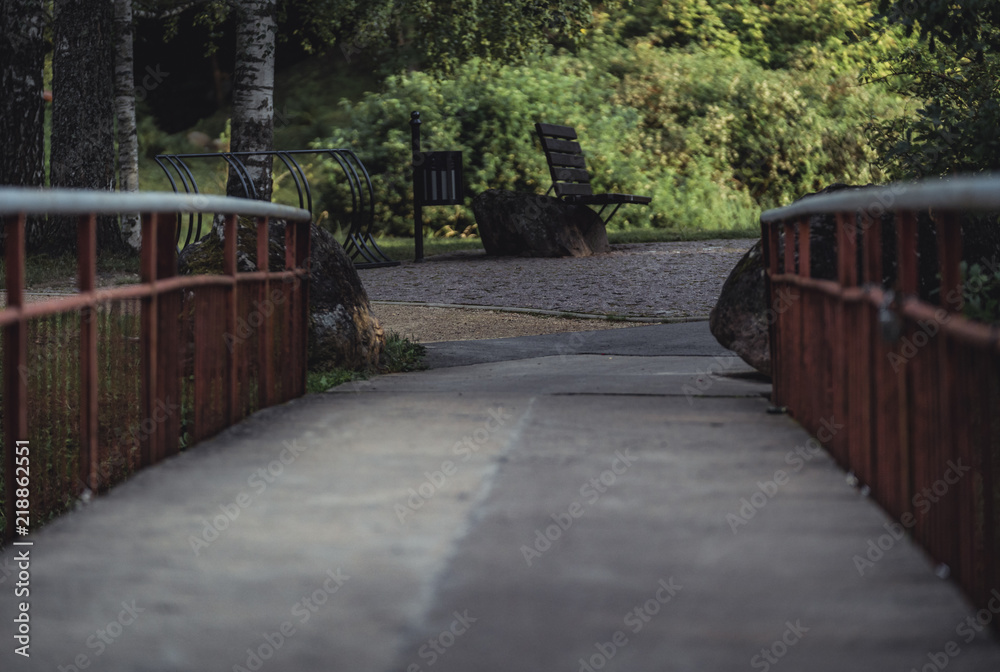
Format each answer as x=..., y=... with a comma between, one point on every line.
x=565, y=157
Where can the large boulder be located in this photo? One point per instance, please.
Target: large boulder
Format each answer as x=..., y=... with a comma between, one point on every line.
x=739, y=319
x=343, y=331
x=521, y=224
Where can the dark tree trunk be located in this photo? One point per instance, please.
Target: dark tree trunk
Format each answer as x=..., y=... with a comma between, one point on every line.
x=253, y=93
x=83, y=111
x=22, y=112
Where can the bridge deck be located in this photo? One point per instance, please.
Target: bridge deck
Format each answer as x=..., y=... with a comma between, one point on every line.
x=573, y=509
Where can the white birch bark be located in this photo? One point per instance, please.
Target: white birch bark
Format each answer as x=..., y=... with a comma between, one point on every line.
x=128, y=141
x=253, y=93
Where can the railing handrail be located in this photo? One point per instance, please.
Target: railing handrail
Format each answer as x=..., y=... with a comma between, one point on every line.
x=970, y=192
x=29, y=201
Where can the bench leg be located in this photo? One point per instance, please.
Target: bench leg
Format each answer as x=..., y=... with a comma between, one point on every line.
x=608, y=219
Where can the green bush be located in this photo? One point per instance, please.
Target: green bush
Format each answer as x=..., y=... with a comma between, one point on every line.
x=714, y=138
x=778, y=34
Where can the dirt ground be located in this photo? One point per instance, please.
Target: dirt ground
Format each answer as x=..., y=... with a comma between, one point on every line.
x=429, y=325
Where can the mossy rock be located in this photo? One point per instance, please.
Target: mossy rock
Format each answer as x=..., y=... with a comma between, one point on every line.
x=343, y=332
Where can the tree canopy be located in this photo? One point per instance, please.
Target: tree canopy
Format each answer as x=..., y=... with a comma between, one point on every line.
x=952, y=73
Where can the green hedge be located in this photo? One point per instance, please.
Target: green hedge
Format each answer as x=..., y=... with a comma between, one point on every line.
x=713, y=136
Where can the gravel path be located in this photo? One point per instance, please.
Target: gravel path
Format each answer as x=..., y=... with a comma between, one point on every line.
x=656, y=280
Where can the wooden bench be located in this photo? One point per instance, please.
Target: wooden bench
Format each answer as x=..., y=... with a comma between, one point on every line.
x=570, y=177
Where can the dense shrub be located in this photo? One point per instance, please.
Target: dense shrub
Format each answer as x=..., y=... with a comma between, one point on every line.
x=712, y=134
x=779, y=34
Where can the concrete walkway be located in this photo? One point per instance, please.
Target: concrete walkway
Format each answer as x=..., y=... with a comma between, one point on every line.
x=615, y=500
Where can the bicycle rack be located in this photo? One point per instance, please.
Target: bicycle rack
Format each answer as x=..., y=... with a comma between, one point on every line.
x=359, y=243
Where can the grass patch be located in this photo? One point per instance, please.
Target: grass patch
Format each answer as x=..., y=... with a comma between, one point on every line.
x=321, y=381
x=402, y=249
x=674, y=236
x=400, y=354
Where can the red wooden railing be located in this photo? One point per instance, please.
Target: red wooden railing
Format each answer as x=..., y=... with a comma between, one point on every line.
x=105, y=381
x=915, y=385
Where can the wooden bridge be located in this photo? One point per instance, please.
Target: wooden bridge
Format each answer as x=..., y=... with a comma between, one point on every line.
x=632, y=505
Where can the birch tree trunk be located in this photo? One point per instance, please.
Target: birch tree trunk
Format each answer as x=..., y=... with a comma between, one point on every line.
x=253, y=94
x=83, y=112
x=22, y=110
x=128, y=141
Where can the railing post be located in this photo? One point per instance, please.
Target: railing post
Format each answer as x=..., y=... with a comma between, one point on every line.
x=303, y=242
x=949, y=237
x=87, y=266
x=872, y=250
x=906, y=254
x=168, y=347
x=266, y=383
x=953, y=431
x=15, y=391
x=232, y=306
x=806, y=327
x=297, y=240
x=769, y=246
x=906, y=287
x=149, y=447
x=418, y=220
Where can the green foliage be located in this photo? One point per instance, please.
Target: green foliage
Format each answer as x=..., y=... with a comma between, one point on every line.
x=969, y=26
x=779, y=34
x=399, y=354
x=953, y=77
x=713, y=138
x=981, y=284
x=403, y=249
x=321, y=381
x=455, y=31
